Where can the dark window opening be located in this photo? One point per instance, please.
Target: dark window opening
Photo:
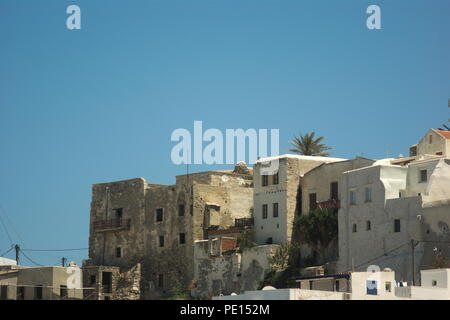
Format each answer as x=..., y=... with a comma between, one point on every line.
x=107, y=282
x=275, y=210
x=265, y=180
x=275, y=178
x=63, y=292
x=334, y=191
x=159, y=214
x=3, y=292
x=182, y=238
x=93, y=279
x=269, y=240
x=181, y=210
x=264, y=211
x=397, y=225
x=20, y=293
x=354, y=227
x=161, y=241
x=368, y=225
x=119, y=213
x=312, y=201
x=423, y=176
x=118, y=252
x=336, y=285
x=38, y=292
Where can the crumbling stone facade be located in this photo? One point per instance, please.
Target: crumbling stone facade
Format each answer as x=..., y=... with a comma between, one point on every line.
x=133, y=221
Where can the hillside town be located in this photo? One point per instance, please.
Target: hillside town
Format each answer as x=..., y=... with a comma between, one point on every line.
x=320, y=228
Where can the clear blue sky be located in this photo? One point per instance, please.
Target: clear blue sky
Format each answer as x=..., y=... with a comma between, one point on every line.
x=100, y=104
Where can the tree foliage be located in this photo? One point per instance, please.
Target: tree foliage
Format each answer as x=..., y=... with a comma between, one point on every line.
x=308, y=145
x=319, y=228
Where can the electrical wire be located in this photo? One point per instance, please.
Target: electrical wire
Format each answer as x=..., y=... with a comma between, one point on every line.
x=75, y=249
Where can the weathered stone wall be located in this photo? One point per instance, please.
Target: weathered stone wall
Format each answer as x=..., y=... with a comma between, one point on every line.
x=167, y=269
x=235, y=272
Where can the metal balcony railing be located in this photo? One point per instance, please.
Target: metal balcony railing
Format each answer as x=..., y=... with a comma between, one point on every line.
x=329, y=204
x=111, y=225
x=244, y=222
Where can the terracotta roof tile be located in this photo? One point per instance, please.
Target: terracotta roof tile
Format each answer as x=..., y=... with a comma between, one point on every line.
x=445, y=134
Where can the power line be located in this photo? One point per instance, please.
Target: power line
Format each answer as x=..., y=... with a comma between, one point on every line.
x=31, y=260
x=10, y=249
x=75, y=249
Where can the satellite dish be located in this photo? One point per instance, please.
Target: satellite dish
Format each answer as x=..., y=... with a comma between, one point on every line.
x=268, y=288
x=233, y=294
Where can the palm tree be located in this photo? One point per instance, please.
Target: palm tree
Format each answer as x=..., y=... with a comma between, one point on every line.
x=307, y=145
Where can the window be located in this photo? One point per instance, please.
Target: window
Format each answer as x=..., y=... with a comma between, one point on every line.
x=368, y=225
x=352, y=197
x=423, y=176
x=119, y=213
x=275, y=210
x=118, y=252
x=434, y=283
x=159, y=214
x=387, y=286
x=93, y=279
x=107, y=282
x=20, y=293
x=372, y=286
x=275, y=178
x=265, y=180
x=269, y=240
x=354, y=227
x=38, y=292
x=312, y=201
x=161, y=241
x=160, y=281
x=336, y=285
x=3, y=292
x=334, y=191
x=264, y=211
x=63, y=292
x=397, y=225
x=181, y=210
x=368, y=194
x=182, y=238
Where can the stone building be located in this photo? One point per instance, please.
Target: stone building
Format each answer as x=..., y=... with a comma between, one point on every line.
x=133, y=221
x=435, y=142
x=276, y=196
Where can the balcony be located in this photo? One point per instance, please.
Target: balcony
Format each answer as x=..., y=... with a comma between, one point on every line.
x=329, y=204
x=243, y=223
x=111, y=225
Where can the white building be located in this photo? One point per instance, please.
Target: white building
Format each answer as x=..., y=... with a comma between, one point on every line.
x=385, y=207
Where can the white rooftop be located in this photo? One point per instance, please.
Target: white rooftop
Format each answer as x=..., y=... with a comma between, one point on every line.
x=300, y=157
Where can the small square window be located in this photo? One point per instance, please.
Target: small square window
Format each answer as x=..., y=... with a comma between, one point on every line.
x=434, y=283
x=119, y=213
x=159, y=214
x=161, y=241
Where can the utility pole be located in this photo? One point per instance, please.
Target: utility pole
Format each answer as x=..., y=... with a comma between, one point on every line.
x=17, y=247
x=413, y=260
x=63, y=261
